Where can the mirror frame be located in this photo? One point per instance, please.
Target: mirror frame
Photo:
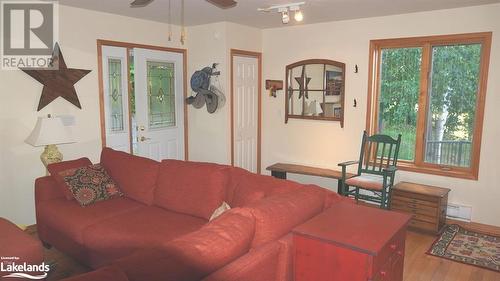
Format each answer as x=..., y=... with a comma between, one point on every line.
x=315, y=61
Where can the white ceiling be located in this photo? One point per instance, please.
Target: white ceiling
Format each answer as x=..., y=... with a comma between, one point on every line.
x=201, y=12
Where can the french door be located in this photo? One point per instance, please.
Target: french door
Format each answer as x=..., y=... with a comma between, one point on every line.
x=146, y=116
x=116, y=99
x=159, y=116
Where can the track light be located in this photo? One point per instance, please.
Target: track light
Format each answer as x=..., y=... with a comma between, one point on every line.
x=285, y=10
x=298, y=16
x=285, y=17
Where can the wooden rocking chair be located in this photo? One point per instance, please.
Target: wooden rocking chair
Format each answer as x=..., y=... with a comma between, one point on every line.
x=376, y=170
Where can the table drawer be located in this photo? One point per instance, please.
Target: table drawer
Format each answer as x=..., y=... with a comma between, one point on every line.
x=391, y=271
x=395, y=248
x=415, y=202
x=422, y=197
x=413, y=208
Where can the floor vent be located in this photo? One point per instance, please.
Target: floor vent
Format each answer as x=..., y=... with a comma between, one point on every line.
x=459, y=212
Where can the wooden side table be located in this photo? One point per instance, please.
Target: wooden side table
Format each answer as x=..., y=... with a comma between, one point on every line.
x=351, y=242
x=427, y=204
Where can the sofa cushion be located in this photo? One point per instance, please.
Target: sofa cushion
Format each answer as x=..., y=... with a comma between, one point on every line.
x=252, y=188
x=55, y=168
x=90, y=184
x=191, y=188
x=277, y=215
x=236, y=175
x=216, y=244
x=135, y=175
x=148, y=227
x=71, y=219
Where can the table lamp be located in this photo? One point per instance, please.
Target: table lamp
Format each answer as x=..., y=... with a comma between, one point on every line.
x=315, y=108
x=50, y=131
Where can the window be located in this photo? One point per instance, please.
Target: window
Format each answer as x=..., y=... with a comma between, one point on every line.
x=432, y=91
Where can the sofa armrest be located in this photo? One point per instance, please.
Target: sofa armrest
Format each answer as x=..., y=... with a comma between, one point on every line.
x=46, y=189
x=285, y=265
x=157, y=265
x=259, y=264
x=108, y=273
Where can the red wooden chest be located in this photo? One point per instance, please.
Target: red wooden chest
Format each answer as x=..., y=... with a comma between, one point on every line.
x=351, y=242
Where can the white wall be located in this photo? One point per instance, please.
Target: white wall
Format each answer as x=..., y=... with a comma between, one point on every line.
x=209, y=134
x=19, y=94
x=325, y=144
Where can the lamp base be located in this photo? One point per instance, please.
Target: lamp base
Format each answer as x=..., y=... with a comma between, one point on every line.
x=51, y=155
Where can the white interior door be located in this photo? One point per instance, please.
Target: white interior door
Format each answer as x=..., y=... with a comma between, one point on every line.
x=116, y=100
x=245, y=110
x=159, y=104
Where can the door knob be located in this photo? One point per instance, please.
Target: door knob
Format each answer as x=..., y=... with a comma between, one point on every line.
x=143, y=138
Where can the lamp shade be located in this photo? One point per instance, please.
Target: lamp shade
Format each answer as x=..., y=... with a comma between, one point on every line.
x=49, y=130
x=318, y=110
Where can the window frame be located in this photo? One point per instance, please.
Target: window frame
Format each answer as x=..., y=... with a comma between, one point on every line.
x=426, y=43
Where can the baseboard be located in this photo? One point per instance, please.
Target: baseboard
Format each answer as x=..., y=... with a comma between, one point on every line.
x=475, y=226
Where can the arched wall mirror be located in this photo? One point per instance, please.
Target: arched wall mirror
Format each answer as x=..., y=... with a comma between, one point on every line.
x=315, y=90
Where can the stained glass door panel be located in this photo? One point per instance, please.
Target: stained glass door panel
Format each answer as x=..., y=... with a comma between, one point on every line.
x=115, y=98
x=161, y=94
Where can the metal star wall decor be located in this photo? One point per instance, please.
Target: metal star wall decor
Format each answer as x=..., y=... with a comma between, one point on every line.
x=58, y=80
x=303, y=81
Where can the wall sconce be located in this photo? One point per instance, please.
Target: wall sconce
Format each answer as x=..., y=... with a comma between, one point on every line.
x=273, y=86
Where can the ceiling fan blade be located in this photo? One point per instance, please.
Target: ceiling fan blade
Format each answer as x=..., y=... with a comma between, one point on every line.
x=223, y=4
x=140, y=3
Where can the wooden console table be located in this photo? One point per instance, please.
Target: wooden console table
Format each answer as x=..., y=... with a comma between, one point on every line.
x=279, y=170
x=349, y=242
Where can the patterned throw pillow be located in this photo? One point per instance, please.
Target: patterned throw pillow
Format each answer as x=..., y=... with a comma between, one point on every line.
x=90, y=184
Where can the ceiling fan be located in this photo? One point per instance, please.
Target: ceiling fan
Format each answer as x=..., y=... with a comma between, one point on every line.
x=223, y=4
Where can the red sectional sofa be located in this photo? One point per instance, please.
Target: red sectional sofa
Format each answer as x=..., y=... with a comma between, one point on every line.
x=160, y=228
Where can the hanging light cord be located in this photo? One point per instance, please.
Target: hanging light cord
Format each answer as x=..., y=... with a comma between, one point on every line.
x=169, y=20
x=183, y=31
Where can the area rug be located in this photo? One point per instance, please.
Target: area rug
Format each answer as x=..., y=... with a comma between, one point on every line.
x=459, y=244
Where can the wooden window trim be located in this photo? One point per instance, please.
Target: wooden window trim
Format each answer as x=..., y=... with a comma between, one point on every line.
x=426, y=44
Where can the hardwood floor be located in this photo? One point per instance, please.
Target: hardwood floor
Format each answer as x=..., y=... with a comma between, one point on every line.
x=418, y=265
x=422, y=267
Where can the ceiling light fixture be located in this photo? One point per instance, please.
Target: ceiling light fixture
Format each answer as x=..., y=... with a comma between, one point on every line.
x=285, y=17
x=298, y=16
x=285, y=9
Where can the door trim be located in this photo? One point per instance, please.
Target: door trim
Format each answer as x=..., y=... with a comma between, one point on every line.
x=258, y=56
x=129, y=46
